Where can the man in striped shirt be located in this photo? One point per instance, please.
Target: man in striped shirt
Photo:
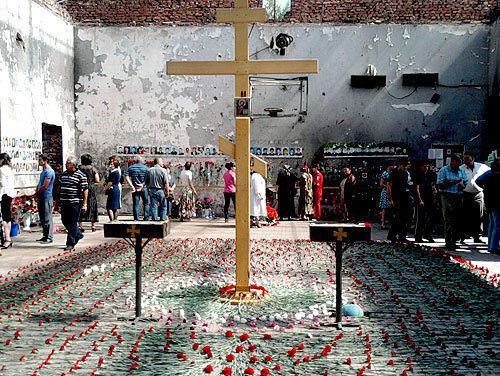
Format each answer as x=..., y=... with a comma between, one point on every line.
x=135, y=177
x=73, y=191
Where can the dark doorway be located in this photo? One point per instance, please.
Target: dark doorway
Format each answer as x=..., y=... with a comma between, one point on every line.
x=52, y=146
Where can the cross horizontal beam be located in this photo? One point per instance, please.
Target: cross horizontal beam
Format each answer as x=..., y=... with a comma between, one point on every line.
x=241, y=67
x=241, y=15
x=229, y=148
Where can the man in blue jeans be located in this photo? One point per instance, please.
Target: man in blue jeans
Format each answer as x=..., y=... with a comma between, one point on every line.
x=45, y=199
x=157, y=183
x=136, y=177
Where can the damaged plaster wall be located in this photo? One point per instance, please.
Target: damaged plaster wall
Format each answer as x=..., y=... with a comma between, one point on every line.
x=494, y=71
x=123, y=96
x=36, y=76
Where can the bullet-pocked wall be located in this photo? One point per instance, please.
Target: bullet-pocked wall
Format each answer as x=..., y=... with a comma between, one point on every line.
x=124, y=97
x=36, y=81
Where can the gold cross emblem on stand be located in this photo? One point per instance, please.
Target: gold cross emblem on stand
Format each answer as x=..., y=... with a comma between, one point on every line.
x=340, y=234
x=133, y=231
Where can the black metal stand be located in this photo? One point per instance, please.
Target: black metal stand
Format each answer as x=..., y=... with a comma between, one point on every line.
x=338, y=280
x=138, y=246
x=138, y=277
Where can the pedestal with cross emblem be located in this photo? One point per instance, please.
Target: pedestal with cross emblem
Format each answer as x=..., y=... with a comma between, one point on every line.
x=241, y=68
x=134, y=232
x=338, y=234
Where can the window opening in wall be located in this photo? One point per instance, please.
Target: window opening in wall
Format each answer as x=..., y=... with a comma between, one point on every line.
x=52, y=146
x=276, y=9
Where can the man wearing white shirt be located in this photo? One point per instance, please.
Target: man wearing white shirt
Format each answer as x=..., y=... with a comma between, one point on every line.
x=473, y=201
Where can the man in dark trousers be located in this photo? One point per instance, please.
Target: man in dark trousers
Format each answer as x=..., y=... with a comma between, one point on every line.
x=425, y=182
x=399, y=199
x=73, y=192
x=451, y=181
x=286, y=193
x=473, y=199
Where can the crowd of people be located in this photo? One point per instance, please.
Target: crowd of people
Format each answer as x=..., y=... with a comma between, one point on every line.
x=460, y=191
x=77, y=190
x=455, y=196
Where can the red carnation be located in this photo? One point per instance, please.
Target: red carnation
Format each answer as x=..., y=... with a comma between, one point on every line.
x=249, y=371
x=195, y=346
x=206, y=350
x=277, y=367
x=239, y=349
x=229, y=334
x=265, y=372
x=253, y=359
x=301, y=347
x=267, y=337
x=244, y=337
x=208, y=369
x=268, y=358
x=230, y=357
x=349, y=361
x=227, y=371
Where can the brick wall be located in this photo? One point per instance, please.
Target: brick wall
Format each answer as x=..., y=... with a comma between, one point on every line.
x=201, y=12
x=147, y=12
x=390, y=11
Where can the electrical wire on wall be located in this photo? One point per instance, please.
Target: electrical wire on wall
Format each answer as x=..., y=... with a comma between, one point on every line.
x=406, y=96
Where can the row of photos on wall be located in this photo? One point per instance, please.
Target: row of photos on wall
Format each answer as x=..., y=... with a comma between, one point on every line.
x=24, y=153
x=269, y=151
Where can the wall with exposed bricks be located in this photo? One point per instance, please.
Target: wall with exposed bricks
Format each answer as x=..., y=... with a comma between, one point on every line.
x=201, y=12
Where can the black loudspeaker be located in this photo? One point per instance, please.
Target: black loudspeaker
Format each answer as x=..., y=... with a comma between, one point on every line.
x=368, y=82
x=420, y=79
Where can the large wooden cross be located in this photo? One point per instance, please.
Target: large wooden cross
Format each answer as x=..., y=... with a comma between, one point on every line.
x=241, y=68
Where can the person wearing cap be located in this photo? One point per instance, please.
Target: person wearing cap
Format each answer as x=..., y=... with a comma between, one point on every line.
x=473, y=199
x=490, y=182
x=305, y=194
x=229, y=189
x=451, y=181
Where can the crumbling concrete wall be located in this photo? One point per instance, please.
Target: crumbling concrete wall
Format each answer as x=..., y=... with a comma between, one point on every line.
x=125, y=98
x=36, y=78
x=494, y=67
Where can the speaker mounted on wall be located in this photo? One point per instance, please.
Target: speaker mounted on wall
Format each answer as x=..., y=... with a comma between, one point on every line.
x=420, y=79
x=368, y=82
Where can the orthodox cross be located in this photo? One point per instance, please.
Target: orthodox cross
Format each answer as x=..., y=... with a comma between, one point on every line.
x=242, y=68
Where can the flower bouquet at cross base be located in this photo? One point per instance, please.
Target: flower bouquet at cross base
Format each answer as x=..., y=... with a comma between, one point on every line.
x=272, y=216
x=208, y=211
x=24, y=210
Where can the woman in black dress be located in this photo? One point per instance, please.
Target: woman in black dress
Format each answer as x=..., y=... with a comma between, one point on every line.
x=90, y=215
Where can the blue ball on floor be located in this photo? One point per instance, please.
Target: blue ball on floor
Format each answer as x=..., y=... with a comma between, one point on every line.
x=352, y=310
